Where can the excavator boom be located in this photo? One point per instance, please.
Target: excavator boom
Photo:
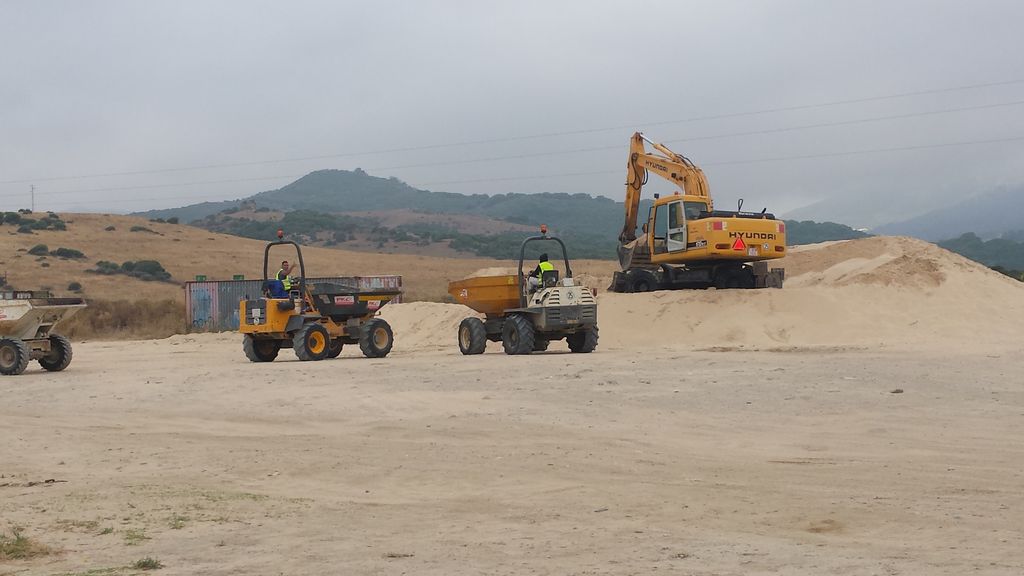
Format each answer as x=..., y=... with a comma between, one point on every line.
x=673, y=167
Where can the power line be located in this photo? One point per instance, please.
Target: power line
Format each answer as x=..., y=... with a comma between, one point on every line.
x=708, y=137
x=525, y=137
x=747, y=161
x=537, y=177
x=151, y=186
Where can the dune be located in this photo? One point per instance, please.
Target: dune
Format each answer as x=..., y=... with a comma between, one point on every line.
x=883, y=292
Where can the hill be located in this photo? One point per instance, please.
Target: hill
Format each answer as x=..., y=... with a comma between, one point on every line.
x=987, y=215
x=186, y=251
x=364, y=212
x=1002, y=253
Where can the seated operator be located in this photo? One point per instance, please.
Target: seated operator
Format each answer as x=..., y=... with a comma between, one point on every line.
x=285, y=275
x=535, y=276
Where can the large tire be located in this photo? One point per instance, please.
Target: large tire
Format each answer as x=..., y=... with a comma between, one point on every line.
x=14, y=356
x=311, y=342
x=734, y=278
x=643, y=281
x=517, y=336
x=335, y=347
x=59, y=356
x=376, y=338
x=472, y=336
x=584, y=341
x=260, y=349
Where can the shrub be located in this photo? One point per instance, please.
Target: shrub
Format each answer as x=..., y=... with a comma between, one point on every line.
x=25, y=229
x=110, y=228
x=149, y=270
x=39, y=250
x=172, y=220
x=142, y=229
x=11, y=218
x=148, y=563
x=106, y=267
x=75, y=287
x=67, y=253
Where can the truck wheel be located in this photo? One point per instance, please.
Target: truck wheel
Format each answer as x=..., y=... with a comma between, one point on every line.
x=540, y=344
x=517, y=335
x=260, y=350
x=59, y=356
x=643, y=281
x=729, y=278
x=376, y=339
x=14, y=356
x=584, y=341
x=311, y=342
x=472, y=336
x=334, y=350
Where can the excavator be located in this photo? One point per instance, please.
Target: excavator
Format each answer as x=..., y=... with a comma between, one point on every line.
x=685, y=242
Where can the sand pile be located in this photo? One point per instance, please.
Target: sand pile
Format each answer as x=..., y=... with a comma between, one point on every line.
x=425, y=325
x=495, y=271
x=883, y=292
x=877, y=292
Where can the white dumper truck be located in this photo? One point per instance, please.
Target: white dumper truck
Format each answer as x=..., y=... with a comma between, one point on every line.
x=27, y=322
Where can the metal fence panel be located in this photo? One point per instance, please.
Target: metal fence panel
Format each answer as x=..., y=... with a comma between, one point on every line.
x=212, y=306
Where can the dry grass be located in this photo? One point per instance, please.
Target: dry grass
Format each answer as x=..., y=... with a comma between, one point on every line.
x=122, y=319
x=17, y=546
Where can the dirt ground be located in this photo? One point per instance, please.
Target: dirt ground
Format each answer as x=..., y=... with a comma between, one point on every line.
x=866, y=419
x=625, y=461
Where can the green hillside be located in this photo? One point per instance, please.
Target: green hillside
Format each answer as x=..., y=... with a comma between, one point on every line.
x=317, y=207
x=1002, y=253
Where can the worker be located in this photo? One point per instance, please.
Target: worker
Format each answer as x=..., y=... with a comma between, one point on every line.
x=284, y=275
x=537, y=274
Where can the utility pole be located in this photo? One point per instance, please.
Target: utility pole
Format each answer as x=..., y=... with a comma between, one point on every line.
x=32, y=187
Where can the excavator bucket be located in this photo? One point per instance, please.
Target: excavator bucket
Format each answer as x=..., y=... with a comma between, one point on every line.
x=626, y=255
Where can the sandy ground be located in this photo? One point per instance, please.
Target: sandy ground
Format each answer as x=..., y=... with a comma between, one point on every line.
x=866, y=419
x=427, y=462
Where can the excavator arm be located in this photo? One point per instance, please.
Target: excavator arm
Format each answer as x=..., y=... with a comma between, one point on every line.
x=673, y=167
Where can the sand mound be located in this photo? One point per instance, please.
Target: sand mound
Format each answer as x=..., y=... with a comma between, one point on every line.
x=425, y=325
x=876, y=292
x=494, y=271
x=884, y=260
x=894, y=293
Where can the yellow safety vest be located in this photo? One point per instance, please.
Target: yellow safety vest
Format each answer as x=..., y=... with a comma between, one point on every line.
x=286, y=281
x=544, y=267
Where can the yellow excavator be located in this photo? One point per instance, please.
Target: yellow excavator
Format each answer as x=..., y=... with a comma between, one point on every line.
x=685, y=242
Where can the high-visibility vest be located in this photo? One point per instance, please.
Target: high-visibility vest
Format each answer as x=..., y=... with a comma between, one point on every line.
x=544, y=267
x=286, y=281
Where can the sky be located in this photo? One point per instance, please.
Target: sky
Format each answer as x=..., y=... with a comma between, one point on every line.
x=867, y=111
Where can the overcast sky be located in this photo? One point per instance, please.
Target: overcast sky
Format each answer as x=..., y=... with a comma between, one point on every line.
x=161, y=86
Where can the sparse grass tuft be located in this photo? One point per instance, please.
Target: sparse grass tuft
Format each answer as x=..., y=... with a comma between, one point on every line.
x=93, y=572
x=177, y=521
x=18, y=546
x=133, y=536
x=89, y=525
x=148, y=563
x=107, y=530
